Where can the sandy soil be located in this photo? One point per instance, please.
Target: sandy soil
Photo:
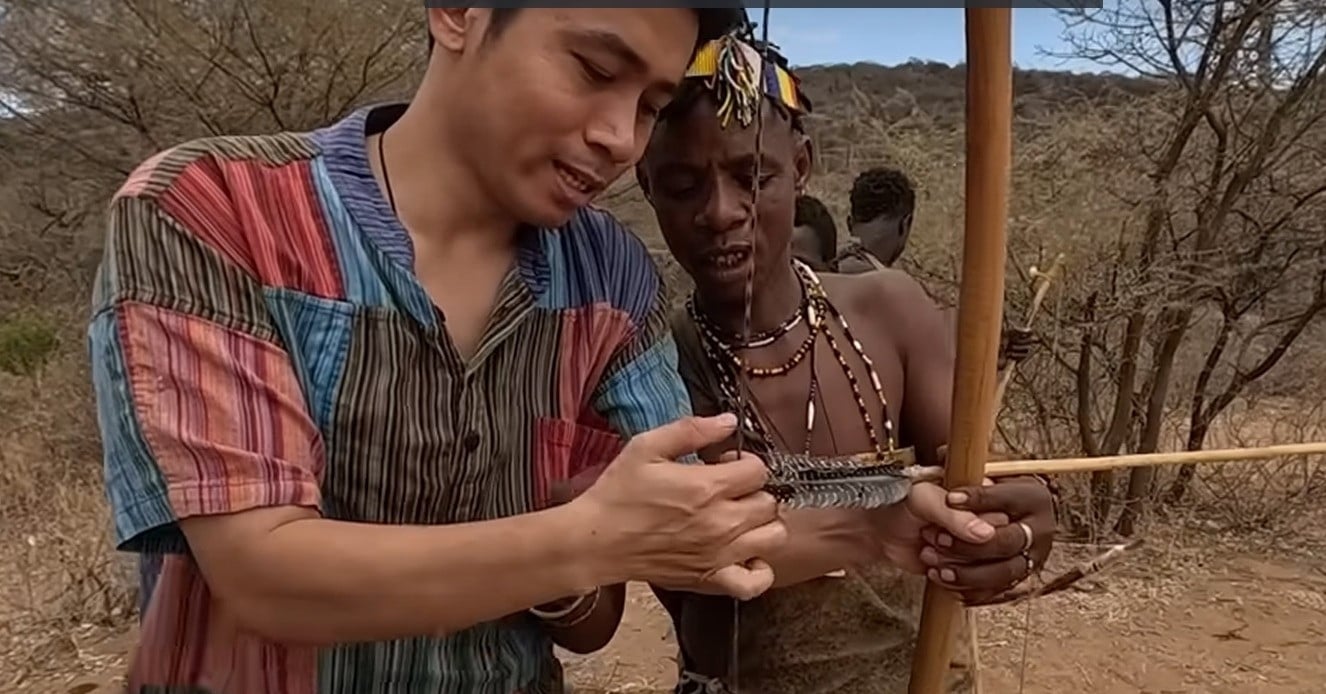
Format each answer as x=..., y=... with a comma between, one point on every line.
x=1175, y=618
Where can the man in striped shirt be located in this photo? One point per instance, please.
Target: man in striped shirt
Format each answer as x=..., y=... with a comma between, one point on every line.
x=340, y=372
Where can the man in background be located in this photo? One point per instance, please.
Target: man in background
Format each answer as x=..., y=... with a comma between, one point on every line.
x=815, y=234
x=883, y=205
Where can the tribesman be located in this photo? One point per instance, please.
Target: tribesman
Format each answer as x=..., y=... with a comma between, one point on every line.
x=837, y=364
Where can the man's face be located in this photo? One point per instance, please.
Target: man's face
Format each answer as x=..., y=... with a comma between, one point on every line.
x=885, y=236
x=699, y=177
x=562, y=101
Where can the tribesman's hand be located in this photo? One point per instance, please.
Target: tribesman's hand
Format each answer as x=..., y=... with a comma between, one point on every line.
x=1016, y=345
x=1022, y=512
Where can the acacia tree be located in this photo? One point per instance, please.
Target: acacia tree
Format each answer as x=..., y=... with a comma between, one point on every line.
x=113, y=80
x=1233, y=187
x=92, y=88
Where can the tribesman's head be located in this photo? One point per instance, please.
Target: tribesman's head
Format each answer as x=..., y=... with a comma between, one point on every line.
x=700, y=167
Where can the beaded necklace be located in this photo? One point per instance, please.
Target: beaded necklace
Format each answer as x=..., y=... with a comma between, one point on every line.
x=816, y=310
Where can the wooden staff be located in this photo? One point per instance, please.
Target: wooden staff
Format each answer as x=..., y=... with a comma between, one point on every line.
x=980, y=303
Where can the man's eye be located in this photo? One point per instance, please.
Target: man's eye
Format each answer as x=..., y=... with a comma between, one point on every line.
x=594, y=73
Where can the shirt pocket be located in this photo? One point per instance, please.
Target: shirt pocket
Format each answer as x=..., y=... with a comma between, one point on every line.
x=564, y=449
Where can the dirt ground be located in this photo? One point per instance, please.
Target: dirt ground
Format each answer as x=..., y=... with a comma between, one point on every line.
x=1183, y=614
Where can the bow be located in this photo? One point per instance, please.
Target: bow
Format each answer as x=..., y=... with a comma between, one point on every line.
x=980, y=303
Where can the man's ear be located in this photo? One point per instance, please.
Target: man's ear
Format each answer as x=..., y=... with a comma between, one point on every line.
x=804, y=161
x=453, y=28
x=905, y=225
x=642, y=179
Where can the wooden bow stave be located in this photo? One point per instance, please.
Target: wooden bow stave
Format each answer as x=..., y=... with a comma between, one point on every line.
x=980, y=303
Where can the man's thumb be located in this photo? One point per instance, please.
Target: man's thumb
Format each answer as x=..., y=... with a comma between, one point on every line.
x=686, y=435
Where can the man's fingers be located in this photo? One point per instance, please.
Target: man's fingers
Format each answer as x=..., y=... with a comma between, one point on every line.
x=927, y=502
x=760, y=541
x=740, y=477
x=743, y=582
x=684, y=436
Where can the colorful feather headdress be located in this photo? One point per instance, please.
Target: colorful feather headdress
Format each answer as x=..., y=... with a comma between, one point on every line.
x=737, y=75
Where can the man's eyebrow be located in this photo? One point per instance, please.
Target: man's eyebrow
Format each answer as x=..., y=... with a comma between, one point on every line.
x=612, y=43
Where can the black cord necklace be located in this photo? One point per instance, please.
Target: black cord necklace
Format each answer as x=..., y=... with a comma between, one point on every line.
x=386, y=177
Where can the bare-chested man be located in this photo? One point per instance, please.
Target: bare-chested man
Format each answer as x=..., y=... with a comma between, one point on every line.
x=817, y=347
x=883, y=205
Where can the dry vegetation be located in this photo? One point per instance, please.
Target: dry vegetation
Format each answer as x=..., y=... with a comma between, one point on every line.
x=1190, y=204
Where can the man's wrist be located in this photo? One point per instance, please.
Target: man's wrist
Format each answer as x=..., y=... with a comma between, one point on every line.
x=585, y=557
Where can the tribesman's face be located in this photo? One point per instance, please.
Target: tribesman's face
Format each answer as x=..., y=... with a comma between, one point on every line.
x=699, y=177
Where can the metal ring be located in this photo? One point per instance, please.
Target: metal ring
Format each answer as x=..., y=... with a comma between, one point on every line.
x=1031, y=537
x=1031, y=563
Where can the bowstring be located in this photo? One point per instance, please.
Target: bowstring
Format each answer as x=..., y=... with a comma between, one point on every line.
x=743, y=388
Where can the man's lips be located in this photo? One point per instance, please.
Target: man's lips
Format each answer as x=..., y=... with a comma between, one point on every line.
x=578, y=179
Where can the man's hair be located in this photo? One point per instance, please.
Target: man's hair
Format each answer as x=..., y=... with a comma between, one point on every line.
x=814, y=214
x=882, y=191
x=714, y=22
x=690, y=91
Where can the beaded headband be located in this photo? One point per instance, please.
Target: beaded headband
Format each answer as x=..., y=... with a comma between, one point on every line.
x=730, y=67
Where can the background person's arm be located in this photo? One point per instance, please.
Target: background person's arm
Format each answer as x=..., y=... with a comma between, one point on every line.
x=205, y=431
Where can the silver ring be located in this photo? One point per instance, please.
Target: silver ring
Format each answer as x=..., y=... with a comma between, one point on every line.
x=1031, y=538
x=1031, y=563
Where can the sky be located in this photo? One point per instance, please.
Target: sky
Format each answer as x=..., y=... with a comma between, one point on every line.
x=891, y=36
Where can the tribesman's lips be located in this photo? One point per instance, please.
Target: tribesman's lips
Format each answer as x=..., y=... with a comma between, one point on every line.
x=727, y=263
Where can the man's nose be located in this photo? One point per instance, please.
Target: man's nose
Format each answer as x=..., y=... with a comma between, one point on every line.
x=727, y=208
x=615, y=131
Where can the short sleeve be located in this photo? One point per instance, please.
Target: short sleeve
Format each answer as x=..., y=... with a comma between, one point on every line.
x=641, y=388
x=197, y=400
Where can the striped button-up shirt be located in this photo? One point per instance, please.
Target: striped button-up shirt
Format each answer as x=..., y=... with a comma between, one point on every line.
x=259, y=339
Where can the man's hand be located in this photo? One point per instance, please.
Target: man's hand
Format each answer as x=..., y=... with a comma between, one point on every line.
x=685, y=527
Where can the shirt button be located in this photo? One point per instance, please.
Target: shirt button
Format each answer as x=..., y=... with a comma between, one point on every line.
x=471, y=441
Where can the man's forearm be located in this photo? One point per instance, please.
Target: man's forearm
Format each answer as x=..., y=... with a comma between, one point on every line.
x=311, y=580
x=823, y=540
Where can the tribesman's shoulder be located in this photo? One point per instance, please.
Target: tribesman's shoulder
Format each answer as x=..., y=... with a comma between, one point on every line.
x=891, y=296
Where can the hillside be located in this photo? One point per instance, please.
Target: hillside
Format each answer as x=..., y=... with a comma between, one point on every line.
x=939, y=89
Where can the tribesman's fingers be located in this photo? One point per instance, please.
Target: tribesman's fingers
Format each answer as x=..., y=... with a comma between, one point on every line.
x=926, y=502
x=1015, y=496
x=982, y=578
x=943, y=549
